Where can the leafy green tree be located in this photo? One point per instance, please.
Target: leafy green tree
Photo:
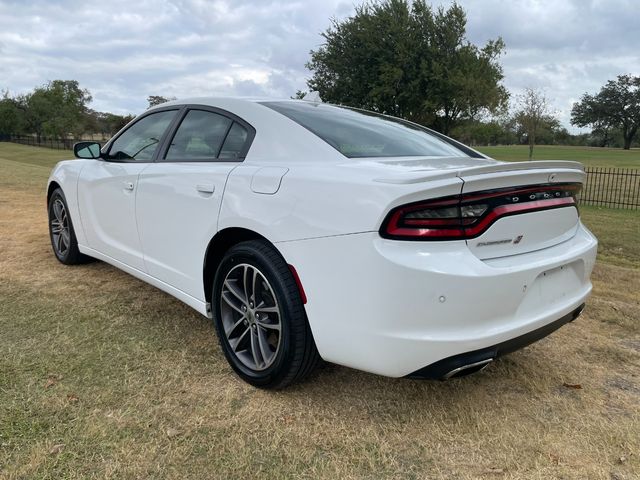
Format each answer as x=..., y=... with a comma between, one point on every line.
x=606, y=136
x=57, y=108
x=476, y=132
x=11, y=115
x=36, y=110
x=615, y=106
x=116, y=122
x=408, y=60
x=104, y=123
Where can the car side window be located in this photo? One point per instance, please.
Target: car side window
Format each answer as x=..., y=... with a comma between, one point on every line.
x=234, y=143
x=140, y=141
x=199, y=137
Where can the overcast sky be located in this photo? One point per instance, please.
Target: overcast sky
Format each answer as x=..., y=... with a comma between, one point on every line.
x=123, y=51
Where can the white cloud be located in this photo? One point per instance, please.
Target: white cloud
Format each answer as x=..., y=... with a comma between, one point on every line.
x=564, y=47
x=123, y=51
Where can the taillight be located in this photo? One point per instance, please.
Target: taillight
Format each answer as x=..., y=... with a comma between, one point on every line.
x=470, y=215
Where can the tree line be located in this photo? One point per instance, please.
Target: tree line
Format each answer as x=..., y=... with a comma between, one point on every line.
x=410, y=60
x=613, y=115
x=58, y=109
x=395, y=57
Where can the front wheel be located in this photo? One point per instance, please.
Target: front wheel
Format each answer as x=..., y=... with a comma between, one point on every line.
x=61, y=233
x=260, y=317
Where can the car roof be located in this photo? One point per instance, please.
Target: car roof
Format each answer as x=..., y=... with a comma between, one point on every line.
x=269, y=144
x=216, y=101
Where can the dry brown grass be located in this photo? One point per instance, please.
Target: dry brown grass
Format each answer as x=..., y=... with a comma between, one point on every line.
x=102, y=376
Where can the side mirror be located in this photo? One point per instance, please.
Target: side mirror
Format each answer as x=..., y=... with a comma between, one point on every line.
x=90, y=150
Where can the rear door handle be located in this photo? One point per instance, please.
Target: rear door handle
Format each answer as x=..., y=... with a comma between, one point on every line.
x=128, y=186
x=205, y=188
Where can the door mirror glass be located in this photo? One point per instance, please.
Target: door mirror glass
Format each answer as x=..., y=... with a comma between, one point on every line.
x=89, y=150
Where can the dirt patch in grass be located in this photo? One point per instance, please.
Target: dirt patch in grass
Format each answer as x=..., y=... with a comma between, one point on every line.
x=103, y=376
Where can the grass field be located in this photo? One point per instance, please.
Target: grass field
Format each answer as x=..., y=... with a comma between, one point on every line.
x=589, y=156
x=103, y=376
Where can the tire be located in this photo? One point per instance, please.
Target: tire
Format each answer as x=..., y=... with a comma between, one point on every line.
x=260, y=318
x=61, y=232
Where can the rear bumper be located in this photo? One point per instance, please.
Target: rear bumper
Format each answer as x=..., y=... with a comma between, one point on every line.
x=391, y=307
x=469, y=362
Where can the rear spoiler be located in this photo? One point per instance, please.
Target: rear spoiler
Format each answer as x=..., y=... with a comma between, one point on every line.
x=419, y=176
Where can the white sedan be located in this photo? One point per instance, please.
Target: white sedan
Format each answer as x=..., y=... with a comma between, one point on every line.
x=309, y=231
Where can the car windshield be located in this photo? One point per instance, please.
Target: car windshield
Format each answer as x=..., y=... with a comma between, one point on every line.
x=358, y=133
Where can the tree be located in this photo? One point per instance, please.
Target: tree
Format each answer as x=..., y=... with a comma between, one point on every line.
x=11, y=116
x=532, y=114
x=616, y=106
x=57, y=108
x=105, y=123
x=158, y=100
x=70, y=102
x=117, y=122
x=476, y=132
x=408, y=60
x=35, y=111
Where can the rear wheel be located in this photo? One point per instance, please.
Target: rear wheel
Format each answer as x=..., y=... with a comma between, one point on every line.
x=63, y=237
x=260, y=317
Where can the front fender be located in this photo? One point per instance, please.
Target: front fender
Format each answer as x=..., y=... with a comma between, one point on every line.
x=66, y=174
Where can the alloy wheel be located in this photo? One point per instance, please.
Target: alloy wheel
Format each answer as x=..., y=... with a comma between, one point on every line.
x=60, y=232
x=251, y=317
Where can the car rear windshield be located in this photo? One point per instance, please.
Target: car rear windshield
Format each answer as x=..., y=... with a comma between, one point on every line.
x=358, y=133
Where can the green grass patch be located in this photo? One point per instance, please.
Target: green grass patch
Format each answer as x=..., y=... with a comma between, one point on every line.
x=589, y=156
x=43, y=157
x=618, y=233
x=103, y=376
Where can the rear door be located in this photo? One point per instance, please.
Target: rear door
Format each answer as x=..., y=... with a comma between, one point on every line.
x=107, y=188
x=179, y=196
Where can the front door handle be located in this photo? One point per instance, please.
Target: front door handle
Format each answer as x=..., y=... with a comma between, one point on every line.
x=128, y=186
x=205, y=188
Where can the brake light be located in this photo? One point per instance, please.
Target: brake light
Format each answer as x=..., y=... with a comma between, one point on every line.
x=467, y=216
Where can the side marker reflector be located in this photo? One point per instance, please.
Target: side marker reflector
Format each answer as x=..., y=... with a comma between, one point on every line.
x=303, y=295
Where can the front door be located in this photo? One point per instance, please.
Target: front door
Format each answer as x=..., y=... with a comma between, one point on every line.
x=107, y=189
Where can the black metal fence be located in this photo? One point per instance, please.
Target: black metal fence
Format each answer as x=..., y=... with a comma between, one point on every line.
x=604, y=187
x=611, y=187
x=46, y=142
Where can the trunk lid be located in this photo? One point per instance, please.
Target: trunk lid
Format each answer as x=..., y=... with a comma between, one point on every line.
x=537, y=216
x=515, y=233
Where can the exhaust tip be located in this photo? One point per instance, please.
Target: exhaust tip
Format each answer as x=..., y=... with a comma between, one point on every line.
x=577, y=312
x=467, y=369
